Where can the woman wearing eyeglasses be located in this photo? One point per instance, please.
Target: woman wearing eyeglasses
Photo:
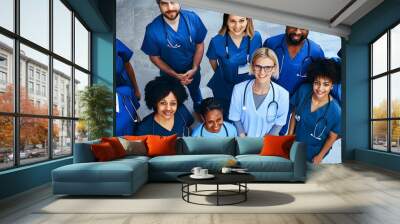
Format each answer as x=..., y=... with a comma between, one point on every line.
x=229, y=54
x=316, y=116
x=260, y=106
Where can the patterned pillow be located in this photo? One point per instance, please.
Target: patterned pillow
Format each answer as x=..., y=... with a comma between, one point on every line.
x=136, y=147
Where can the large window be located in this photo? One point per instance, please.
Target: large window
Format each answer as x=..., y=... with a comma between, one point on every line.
x=385, y=94
x=44, y=64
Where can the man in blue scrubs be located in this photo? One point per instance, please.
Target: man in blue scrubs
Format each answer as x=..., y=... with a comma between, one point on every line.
x=295, y=53
x=128, y=93
x=174, y=42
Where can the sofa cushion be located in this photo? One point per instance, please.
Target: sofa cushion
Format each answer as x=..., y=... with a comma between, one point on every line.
x=257, y=163
x=112, y=171
x=249, y=145
x=185, y=163
x=199, y=145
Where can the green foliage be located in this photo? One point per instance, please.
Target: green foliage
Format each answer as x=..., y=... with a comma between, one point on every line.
x=97, y=102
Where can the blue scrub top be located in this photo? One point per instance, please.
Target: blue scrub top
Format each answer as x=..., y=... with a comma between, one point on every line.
x=182, y=121
x=301, y=101
x=174, y=48
x=257, y=122
x=225, y=77
x=124, y=54
x=230, y=131
x=289, y=68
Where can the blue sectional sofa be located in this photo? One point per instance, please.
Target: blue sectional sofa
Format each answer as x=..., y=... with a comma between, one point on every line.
x=125, y=176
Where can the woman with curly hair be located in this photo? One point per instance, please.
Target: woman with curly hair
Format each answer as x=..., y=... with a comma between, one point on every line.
x=316, y=118
x=165, y=96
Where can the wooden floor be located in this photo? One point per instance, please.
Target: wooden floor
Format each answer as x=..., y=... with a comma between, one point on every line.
x=378, y=188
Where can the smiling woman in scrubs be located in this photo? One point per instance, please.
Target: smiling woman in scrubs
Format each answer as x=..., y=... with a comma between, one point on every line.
x=316, y=116
x=214, y=124
x=165, y=96
x=229, y=53
x=260, y=106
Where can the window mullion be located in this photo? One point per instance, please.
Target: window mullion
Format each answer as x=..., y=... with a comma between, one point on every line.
x=389, y=113
x=50, y=79
x=16, y=83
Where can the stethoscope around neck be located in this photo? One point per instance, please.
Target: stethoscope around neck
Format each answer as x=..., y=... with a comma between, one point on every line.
x=320, y=120
x=223, y=125
x=227, y=48
x=168, y=38
x=272, y=104
x=308, y=57
x=185, y=129
x=137, y=119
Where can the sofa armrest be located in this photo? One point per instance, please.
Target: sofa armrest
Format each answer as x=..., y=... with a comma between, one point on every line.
x=299, y=158
x=83, y=152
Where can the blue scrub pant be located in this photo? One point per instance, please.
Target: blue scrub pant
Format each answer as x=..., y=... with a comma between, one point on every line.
x=194, y=91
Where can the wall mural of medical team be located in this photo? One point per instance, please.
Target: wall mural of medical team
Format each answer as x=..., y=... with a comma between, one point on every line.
x=284, y=85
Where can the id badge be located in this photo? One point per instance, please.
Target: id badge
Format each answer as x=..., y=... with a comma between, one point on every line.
x=244, y=69
x=116, y=103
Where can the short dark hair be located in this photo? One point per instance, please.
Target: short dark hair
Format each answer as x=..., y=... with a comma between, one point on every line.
x=160, y=87
x=324, y=67
x=209, y=104
x=158, y=2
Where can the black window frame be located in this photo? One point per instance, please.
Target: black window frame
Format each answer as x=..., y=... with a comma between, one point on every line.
x=16, y=115
x=388, y=74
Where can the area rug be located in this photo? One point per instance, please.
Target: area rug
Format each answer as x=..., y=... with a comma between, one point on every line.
x=167, y=198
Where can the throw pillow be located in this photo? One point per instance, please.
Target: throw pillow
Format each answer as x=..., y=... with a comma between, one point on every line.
x=161, y=145
x=136, y=137
x=103, y=152
x=136, y=147
x=117, y=146
x=277, y=145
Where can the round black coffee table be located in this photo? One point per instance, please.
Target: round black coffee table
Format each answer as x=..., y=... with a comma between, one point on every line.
x=238, y=179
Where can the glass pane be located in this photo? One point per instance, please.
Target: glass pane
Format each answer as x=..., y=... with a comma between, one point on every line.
x=6, y=74
x=379, y=135
x=7, y=14
x=35, y=21
x=81, y=81
x=34, y=81
x=395, y=95
x=81, y=131
x=62, y=89
x=395, y=136
x=395, y=47
x=379, y=55
x=62, y=29
x=62, y=138
x=379, y=98
x=33, y=140
x=81, y=45
x=6, y=142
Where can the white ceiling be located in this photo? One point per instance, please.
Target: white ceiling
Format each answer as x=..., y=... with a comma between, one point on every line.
x=326, y=16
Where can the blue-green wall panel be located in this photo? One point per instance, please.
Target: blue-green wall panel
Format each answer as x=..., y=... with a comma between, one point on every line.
x=356, y=80
x=24, y=178
x=103, y=59
x=376, y=158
